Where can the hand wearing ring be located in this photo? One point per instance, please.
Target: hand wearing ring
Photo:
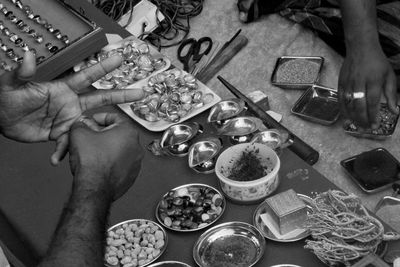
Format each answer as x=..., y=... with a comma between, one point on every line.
x=349, y=97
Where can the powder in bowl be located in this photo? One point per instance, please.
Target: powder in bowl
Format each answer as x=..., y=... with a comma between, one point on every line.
x=298, y=71
x=230, y=251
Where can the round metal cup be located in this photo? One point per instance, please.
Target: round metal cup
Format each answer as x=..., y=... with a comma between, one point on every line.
x=119, y=225
x=240, y=129
x=273, y=139
x=227, y=230
x=224, y=110
x=176, y=140
x=203, y=155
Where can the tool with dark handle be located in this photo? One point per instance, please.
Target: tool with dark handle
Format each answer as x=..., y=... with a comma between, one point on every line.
x=218, y=62
x=299, y=147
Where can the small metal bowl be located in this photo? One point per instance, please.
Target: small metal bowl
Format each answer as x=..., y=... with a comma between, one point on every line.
x=273, y=138
x=121, y=225
x=170, y=211
x=170, y=264
x=176, y=140
x=203, y=155
x=224, y=110
x=246, y=243
x=241, y=129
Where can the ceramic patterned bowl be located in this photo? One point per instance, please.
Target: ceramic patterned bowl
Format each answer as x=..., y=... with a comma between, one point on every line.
x=246, y=191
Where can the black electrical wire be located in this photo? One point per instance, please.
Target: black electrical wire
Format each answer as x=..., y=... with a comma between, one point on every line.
x=176, y=24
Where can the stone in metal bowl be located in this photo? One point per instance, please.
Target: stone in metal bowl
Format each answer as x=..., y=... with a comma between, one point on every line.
x=203, y=155
x=229, y=244
x=177, y=139
x=241, y=129
x=133, y=232
x=224, y=110
x=190, y=207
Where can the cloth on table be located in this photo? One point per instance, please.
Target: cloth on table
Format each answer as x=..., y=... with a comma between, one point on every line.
x=324, y=18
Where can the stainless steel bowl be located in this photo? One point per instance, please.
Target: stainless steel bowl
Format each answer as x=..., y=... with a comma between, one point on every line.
x=242, y=238
x=167, y=207
x=224, y=110
x=139, y=222
x=240, y=129
x=170, y=264
x=203, y=155
x=176, y=140
x=273, y=138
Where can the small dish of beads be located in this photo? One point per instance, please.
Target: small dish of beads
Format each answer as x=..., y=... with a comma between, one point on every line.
x=136, y=242
x=296, y=72
x=387, y=126
x=141, y=61
x=190, y=207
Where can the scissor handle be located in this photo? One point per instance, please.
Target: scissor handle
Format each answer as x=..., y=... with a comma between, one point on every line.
x=185, y=58
x=196, y=53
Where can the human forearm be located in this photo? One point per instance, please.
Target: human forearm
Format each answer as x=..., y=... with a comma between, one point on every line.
x=359, y=23
x=79, y=238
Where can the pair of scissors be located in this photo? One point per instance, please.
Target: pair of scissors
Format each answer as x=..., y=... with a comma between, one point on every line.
x=195, y=51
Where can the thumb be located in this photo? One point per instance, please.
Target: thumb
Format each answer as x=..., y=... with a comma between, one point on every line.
x=24, y=73
x=28, y=67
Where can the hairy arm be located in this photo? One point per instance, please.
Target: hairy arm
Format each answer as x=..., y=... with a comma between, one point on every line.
x=359, y=22
x=79, y=238
x=365, y=69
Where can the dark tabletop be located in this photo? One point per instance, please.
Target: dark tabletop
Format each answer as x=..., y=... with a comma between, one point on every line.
x=33, y=194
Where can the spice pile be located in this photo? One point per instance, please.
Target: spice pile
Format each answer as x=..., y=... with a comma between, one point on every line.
x=248, y=167
x=297, y=71
x=388, y=122
x=230, y=251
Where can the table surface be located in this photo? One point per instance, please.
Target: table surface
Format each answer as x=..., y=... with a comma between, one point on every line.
x=33, y=193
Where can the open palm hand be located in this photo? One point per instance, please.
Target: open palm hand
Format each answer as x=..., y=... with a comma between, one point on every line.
x=37, y=112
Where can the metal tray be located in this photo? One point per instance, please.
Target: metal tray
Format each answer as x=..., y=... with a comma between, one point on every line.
x=140, y=221
x=348, y=166
x=318, y=104
x=189, y=190
x=357, y=132
x=295, y=84
x=219, y=234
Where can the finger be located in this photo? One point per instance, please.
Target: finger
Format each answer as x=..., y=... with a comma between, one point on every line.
x=21, y=75
x=109, y=97
x=373, y=102
x=86, y=122
x=91, y=123
x=107, y=119
x=390, y=92
x=343, y=89
x=360, y=113
x=61, y=150
x=86, y=77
